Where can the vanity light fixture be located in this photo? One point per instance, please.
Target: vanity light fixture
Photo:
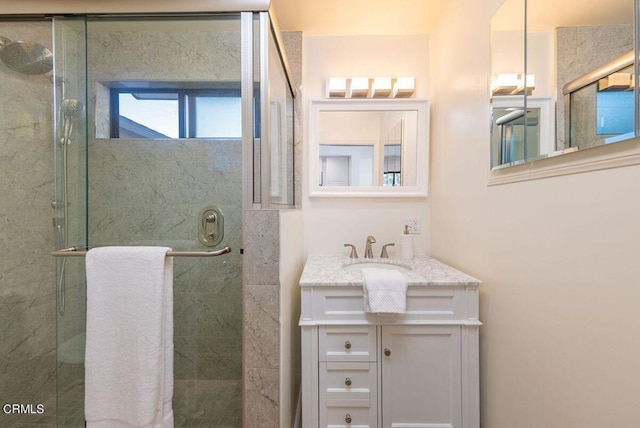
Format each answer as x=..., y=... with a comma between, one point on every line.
x=403, y=87
x=616, y=82
x=360, y=87
x=504, y=84
x=512, y=84
x=368, y=87
x=530, y=85
x=336, y=87
x=382, y=87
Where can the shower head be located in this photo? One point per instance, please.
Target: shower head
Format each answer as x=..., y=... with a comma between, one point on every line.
x=70, y=108
x=25, y=57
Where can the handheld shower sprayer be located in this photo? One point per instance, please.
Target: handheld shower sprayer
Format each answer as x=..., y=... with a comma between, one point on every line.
x=70, y=110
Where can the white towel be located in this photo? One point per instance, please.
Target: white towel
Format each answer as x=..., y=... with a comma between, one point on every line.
x=129, y=350
x=385, y=291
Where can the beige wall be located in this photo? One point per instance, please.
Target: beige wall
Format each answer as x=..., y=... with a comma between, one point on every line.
x=558, y=257
x=291, y=264
x=331, y=222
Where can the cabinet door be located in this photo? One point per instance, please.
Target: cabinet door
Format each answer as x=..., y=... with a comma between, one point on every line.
x=421, y=377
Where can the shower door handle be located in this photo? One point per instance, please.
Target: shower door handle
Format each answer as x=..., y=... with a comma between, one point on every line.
x=211, y=226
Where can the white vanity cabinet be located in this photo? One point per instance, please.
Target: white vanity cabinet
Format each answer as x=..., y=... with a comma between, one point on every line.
x=361, y=370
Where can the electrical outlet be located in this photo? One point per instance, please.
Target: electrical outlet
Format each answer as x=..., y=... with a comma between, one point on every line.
x=414, y=225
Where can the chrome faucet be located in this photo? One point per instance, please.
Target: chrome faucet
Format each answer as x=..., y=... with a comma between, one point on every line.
x=368, y=252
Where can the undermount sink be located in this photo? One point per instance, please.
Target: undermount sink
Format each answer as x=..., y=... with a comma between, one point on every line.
x=357, y=266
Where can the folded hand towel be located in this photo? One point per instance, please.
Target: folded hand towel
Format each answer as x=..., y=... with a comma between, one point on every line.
x=129, y=349
x=385, y=291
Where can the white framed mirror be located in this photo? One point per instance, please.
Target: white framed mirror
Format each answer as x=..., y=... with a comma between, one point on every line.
x=368, y=148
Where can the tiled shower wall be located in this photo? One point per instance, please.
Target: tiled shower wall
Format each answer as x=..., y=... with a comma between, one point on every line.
x=27, y=270
x=264, y=327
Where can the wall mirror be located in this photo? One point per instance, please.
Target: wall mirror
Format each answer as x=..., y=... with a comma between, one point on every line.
x=368, y=148
x=562, y=77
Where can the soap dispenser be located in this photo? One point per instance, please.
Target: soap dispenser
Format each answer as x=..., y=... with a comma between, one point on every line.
x=406, y=245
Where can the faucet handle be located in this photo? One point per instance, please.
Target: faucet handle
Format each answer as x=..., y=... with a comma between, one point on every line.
x=354, y=253
x=384, y=253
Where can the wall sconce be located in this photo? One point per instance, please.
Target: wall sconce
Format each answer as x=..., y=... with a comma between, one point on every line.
x=367, y=87
x=336, y=87
x=404, y=87
x=382, y=87
x=513, y=84
x=359, y=87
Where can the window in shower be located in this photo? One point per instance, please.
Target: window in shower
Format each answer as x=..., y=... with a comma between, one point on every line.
x=614, y=112
x=173, y=112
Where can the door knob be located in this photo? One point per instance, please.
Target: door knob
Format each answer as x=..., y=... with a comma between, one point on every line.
x=347, y=344
x=347, y=418
x=347, y=381
x=387, y=352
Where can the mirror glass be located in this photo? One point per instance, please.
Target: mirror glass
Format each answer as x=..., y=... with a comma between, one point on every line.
x=368, y=147
x=364, y=148
x=578, y=91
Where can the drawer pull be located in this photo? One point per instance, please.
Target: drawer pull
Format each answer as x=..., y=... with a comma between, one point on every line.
x=347, y=344
x=387, y=352
x=347, y=418
x=347, y=381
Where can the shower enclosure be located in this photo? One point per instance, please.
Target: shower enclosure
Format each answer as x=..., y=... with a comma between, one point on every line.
x=163, y=128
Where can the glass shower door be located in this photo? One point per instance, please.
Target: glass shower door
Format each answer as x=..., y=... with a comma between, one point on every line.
x=151, y=185
x=160, y=152
x=70, y=218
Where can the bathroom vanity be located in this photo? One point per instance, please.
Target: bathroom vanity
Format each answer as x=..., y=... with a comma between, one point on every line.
x=419, y=369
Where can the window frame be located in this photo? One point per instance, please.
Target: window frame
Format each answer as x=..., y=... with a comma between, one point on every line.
x=186, y=105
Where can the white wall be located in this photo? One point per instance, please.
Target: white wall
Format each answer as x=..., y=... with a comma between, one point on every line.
x=331, y=222
x=558, y=257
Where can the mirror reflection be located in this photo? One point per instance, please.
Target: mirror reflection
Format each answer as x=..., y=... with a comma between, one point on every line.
x=578, y=68
x=367, y=148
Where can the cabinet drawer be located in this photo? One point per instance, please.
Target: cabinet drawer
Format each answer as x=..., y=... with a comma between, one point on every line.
x=347, y=343
x=347, y=384
x=424, y=304
x=346, y=417
x=348, y=406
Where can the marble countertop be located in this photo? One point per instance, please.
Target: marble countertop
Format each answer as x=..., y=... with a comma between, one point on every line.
x=327, y=270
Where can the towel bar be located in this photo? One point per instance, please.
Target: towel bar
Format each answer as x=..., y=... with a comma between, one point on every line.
x=73, y=252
